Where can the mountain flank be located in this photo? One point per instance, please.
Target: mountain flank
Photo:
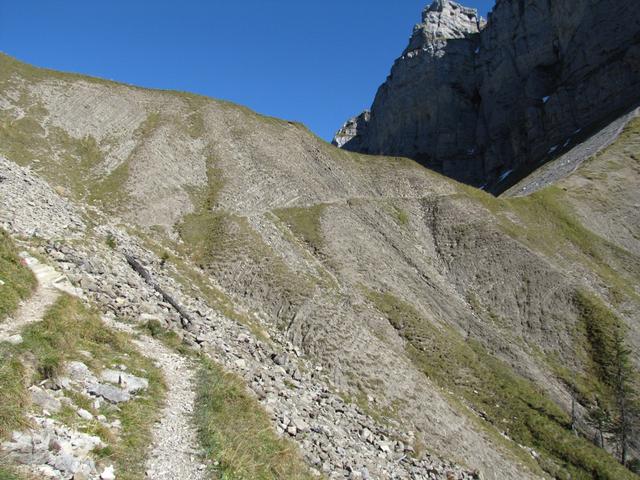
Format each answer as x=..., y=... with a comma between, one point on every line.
x=348, y=315
x=487, y=104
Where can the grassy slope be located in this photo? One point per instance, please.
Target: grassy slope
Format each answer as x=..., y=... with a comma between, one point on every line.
x=543, y=222
x=507, y=402
x=68, y=329
x=18, y=280
x=236, y=432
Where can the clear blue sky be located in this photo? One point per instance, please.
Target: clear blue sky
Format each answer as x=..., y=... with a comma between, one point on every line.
x=314, y=62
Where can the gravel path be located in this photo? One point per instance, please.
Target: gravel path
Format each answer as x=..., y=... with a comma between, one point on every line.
x=174, y=452
x=173, y=455
x=34, y=308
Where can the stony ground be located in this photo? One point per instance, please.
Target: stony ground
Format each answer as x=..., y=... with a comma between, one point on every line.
x=337, y=438
x=32, y=311
x=174, y=454
x=360, y=298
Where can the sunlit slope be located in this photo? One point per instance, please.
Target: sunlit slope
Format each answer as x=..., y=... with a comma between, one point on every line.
x=469, y=318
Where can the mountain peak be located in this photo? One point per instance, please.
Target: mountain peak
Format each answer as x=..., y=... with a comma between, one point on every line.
x=448, y=20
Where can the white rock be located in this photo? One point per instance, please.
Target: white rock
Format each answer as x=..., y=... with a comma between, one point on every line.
x=15, y=339
x=108, y=474
x=84, y=414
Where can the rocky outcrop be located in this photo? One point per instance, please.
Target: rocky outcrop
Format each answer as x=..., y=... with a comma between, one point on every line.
x=352, y=131
x=487, y=104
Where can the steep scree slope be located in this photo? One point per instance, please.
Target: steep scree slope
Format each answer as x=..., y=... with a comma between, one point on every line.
x=478, y=102
x=468, y=319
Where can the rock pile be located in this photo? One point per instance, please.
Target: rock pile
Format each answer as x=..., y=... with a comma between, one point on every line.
x=337, y=437
x=54, y=450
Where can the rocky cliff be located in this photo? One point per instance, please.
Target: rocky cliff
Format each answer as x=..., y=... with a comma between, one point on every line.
x=487, y=104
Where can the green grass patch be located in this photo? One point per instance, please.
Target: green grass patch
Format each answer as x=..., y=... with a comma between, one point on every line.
x=235, y=431
x=306, y=222
x=68, y=329
x=600, y=325
x=399, y=215
x=6, y=473
x=170, y=338
x=18, y=280
x=507, y=401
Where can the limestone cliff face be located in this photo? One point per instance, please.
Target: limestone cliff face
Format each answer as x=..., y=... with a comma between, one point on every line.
x=478, y=102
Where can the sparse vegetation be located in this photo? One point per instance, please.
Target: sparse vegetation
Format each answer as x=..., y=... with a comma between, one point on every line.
x=614, y=384
x=67, y=329
x=236, y=431
x=166, y=336
x=111, y=242
x=17, y=281
x=545, y=222
x=400, y=216
x=495, y=392
x=306, y=222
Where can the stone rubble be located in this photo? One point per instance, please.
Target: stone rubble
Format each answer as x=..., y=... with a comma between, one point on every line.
x=53, y=450
x=338, y=439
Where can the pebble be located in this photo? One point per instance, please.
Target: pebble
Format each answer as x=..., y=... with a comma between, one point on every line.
x=15, y=339
x=84, y=414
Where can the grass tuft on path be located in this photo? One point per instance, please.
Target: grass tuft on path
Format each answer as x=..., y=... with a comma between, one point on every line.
x=235, y=431
x=17, y=280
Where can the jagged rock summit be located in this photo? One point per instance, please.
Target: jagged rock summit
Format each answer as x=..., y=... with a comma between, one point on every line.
x=488, y=104
x=445, y=20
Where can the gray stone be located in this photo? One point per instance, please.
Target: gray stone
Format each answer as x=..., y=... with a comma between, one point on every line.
x=109, y=393
x=126, y=381
x=15, y=339
x=108, y=474
x=479, y=103
x=45, y=400
x=84, y=414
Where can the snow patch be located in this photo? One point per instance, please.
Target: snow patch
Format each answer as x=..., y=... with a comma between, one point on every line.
x=505, y=175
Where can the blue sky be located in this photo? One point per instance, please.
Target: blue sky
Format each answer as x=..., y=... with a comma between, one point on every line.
x=314, y=62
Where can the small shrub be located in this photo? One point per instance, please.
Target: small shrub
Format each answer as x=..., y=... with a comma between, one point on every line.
x=50, y=366
x=155, y=328
x=166, y=336
x=111, y=242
